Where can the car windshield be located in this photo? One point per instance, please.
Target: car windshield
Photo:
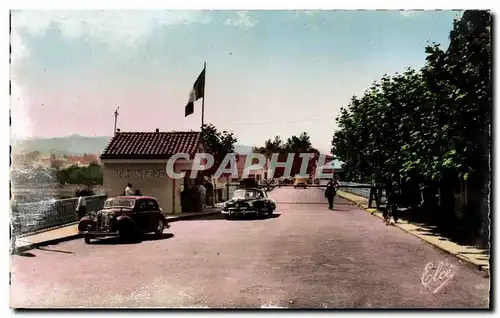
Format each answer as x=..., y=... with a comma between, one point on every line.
x=119, y=203
x=245, y=194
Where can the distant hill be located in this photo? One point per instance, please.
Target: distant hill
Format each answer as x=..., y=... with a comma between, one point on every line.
x=70, y=145
x=77, y=145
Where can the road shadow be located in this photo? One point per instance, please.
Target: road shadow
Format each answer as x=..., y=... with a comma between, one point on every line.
x=456, y=233
x=42, y=248
x=254, y=218
x=216, y=216
x=342, y=207
x=115, y=240
x=25, y=254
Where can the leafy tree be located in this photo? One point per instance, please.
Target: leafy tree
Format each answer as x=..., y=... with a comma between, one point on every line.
x=88, y=176
x=300, y=144
x=294, y=144
x=270, y=146
x=431, y=126
x=217, y=143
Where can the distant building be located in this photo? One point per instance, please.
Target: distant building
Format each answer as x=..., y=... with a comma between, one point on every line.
x=332, y=166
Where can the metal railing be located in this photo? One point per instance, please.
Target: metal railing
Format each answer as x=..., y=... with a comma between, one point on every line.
x=361, y=189
x=36, y=216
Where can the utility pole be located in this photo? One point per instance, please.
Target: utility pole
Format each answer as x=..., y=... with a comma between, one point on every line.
x=116, y=118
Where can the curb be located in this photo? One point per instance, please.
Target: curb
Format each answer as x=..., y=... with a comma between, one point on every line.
x=47, y=229
x=58, y=240
x=192, y=216
x=464, y=259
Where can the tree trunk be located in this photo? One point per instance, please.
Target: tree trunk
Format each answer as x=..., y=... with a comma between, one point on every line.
x=485, y=207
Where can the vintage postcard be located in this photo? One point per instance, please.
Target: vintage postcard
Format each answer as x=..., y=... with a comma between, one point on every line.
x=225, y=159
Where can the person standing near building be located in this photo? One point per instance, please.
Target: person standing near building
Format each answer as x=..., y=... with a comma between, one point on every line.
x=81, y=207
x=210, y=192
x=203, y=195
x=128, y=189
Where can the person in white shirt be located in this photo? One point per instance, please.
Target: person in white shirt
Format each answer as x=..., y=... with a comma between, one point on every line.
x=81, y=207
x=128, y=190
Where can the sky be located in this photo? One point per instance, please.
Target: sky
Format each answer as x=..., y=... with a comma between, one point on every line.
x=268, y=72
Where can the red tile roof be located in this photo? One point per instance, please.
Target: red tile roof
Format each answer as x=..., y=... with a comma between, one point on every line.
x=151, y=145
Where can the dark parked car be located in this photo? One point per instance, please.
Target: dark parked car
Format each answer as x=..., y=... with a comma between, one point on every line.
x=248, y=201
x=126, y=217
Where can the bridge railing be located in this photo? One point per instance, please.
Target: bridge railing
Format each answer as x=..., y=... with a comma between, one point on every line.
x=361, y=189
x=36, y=216
x=374, y=193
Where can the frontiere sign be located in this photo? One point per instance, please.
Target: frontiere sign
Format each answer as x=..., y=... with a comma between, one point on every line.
x=141, y=174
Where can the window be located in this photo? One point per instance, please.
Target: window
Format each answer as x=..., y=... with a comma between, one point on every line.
x=141, y=205
x=152, y=205
x=248, y=194
x=119, y=203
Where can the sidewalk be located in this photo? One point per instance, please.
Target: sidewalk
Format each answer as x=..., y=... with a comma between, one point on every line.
x=479, y=258
x=70, y=231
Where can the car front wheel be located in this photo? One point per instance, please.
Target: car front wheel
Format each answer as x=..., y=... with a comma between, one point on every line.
x=270, y=211
x=159, y=228
x=258, y=212
x=87, y=239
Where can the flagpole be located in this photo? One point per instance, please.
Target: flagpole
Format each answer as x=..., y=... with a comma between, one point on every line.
x=203, y=101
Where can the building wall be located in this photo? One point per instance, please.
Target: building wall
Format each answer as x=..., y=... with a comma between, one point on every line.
x=148, y=177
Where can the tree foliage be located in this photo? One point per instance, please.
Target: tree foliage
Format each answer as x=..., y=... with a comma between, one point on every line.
x=217, y=143
x=88, y=176
x=426, y=125
x=270, y=146
x=294, y=144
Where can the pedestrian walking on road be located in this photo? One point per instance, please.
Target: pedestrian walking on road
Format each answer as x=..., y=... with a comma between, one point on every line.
x=330, y=194
x=392, y=204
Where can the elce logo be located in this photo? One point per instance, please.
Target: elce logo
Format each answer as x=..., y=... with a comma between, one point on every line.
x=437, y=275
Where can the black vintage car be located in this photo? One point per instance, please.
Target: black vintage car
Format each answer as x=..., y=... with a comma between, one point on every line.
x=248, y=201
x=126, y=217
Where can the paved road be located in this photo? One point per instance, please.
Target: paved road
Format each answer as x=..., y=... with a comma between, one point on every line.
x=307, y=256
